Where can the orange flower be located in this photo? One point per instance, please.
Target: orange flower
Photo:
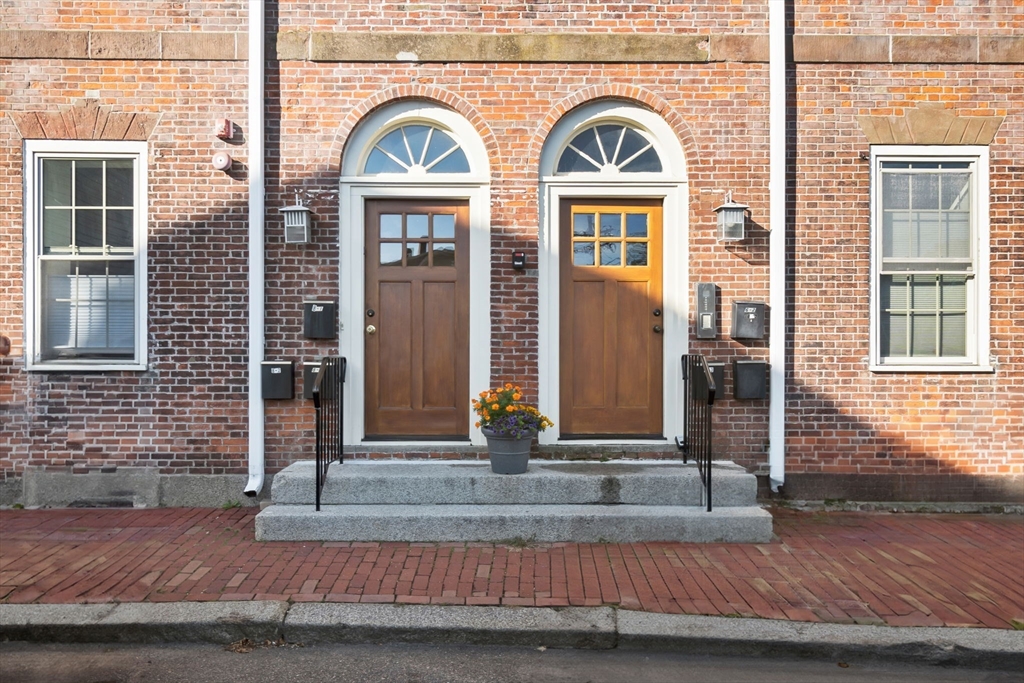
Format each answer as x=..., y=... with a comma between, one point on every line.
x=516, y=397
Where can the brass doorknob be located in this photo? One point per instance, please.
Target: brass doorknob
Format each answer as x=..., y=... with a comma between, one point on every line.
x=370, y=329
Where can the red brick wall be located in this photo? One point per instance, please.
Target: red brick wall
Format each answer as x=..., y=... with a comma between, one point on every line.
x=188, y=412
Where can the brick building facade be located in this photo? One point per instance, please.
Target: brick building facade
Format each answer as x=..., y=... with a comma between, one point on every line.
x=904, y=370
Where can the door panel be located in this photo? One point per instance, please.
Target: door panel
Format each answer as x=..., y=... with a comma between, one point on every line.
x=611, y=351
x=417, y=351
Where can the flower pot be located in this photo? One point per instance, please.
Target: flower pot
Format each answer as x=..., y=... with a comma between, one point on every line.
x=508, y=454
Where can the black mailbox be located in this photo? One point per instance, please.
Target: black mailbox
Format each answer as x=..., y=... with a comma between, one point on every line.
x=309, y=372
x=749, y=379
x=748, y=320
x=718, y=374
x=319, y=320
x=278, y=379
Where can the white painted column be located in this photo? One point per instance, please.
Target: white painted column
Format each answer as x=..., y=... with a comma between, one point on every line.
x=777, y=242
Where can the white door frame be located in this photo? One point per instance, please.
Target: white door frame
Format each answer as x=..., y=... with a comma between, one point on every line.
x=355, y=191
x=672, y=188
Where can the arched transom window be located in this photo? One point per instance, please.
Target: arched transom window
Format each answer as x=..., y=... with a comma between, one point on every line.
x=609, y=148
x=416, y=149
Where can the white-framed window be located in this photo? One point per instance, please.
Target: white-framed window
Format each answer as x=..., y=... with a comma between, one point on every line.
x=930, y=291
x=85, y=238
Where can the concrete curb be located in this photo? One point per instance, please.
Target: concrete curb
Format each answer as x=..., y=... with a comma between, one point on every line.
x=572, y=627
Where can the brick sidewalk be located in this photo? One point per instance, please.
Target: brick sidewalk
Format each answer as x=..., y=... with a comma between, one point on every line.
x=839, y=567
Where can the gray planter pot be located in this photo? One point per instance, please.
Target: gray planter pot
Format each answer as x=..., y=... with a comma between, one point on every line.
x=508, y=455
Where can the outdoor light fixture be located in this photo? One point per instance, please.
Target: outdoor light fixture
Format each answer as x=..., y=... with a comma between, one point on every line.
x=732, y=218
x=297, y=224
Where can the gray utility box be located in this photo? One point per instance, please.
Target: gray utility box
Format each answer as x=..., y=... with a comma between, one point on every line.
x=749, y=379
x=278, y=379
x=309, y=372
x=748, y=320
x=319, y=320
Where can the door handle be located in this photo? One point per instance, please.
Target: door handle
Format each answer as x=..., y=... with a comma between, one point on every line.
x=657, y=312
x=657, y=329
x=370, y=329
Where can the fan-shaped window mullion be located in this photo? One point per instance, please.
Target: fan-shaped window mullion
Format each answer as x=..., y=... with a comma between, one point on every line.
x=626, y=162
x=585, y=156
x=600, y=139
x=426, y=146
x=440, y=153
x=441, y=158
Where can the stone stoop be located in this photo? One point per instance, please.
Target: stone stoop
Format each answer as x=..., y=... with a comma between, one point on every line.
x=463, y=501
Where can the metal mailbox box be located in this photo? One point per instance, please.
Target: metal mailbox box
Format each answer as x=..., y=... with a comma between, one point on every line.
x=749, y=379
x=309, y=372
x=278, y=379
x=319, y=320
x=748, y=320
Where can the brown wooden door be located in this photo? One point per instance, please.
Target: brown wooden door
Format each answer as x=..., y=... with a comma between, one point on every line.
x=416, y=319
x=611, y=319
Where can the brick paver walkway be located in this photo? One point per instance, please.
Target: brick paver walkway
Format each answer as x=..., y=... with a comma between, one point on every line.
x=842, y=567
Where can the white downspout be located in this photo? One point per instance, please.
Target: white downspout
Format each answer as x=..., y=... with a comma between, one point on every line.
x=256, y=256
x=777, y=242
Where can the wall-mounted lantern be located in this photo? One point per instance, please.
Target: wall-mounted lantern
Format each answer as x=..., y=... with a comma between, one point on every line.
x=297, y=224
x=732, y=218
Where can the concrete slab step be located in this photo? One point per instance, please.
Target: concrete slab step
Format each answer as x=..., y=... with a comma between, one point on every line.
x=642, y=482
x=514, y=523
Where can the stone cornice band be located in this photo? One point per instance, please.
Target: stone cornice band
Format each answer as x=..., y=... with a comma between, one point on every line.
x=568, y=48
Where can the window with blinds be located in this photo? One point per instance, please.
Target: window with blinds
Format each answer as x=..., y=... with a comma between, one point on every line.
x=86, y=242
x=927, y=260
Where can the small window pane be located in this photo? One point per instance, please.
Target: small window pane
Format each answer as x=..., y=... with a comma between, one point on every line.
x=417, y=225
x=456, y=162
x=444, y=226
x=416, y=254
x=119, y=228
x=924, y=191
x=636, y=225
x=896, y=234
x=416, y=137
x=583, y=224
x=954, y=334
x=56, y=182
x=956, y=192
x=632, y=143
x=611, y=225
x=957, y=234
x=926, y=234
x=648, y=162
x=583, y=254
x=440, y=142
x=572, y=162
x=610, y=136
x=88, y=183
x=56, y=229
x=636, y=254
x=444, y=254
x=89, y=228
x=120, y=190
x=394, y=144
x=587, y=143
x=391, y=254
x=923, y=338
x=611, y=254
x=391, y=226
x=378, y=162
x=895, y=191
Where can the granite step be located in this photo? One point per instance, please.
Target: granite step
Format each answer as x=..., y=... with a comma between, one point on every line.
x=547, y=482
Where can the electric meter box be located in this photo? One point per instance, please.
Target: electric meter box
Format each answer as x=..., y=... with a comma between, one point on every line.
x=319, y=320
x=749, y=379
x=748, y=320
x=278, y=378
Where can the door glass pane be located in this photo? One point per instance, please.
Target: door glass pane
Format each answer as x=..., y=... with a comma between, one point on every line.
x=636, y=225
x=56, y=229
x=416, y=253
x=391, y=226
x=583, y=254
x=56, y=182
x=636, y=254
x=417, y=225
x=611, y=225
x=444, y=226
x=88, y=183
x=611, y=254
x=444, y=254
x=583, y=224
x=391, y=254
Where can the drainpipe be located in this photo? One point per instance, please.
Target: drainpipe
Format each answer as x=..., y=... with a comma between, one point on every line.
x=256, y=258
x=777, y=242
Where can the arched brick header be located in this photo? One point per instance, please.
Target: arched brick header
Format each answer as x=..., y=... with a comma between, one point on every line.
x=628, y=93
x=412, y=91
x=85, y=121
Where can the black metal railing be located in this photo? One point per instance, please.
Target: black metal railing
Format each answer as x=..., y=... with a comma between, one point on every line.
x=328, y=399
x=698, y=397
